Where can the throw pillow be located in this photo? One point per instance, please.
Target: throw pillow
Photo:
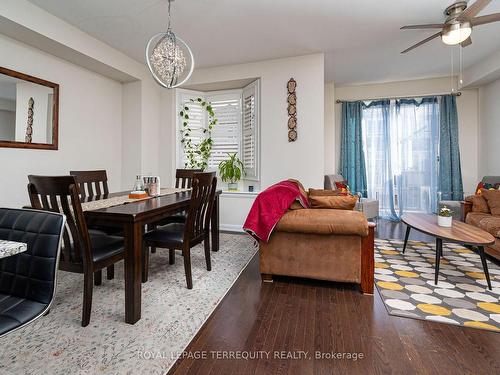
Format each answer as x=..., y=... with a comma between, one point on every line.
x=493, y=199
x=338, y=202
x=324, y=192
x=343, y=187
x=482, y=186
x=479, y=204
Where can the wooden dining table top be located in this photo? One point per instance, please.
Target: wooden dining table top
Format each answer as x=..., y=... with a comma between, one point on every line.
x=140, y=207
x=459, y=232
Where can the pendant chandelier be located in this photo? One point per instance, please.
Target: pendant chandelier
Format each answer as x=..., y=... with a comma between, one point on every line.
x=169, y=58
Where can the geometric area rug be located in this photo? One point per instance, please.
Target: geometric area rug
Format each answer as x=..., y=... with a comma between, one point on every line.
x=461, y=297
x=57, y=344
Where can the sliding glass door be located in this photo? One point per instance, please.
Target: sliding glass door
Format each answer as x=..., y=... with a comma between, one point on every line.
x=401, y=140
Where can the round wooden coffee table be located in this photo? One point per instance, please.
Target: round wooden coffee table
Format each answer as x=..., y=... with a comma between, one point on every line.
x=460, y=232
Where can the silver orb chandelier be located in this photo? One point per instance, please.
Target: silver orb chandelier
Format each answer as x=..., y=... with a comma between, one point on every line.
x=169, y=58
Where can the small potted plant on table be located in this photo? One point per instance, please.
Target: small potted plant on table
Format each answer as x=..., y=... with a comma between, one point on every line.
x=444, y=217
x=231, y=171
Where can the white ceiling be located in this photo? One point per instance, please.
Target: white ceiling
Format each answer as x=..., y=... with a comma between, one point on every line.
x=361, y=38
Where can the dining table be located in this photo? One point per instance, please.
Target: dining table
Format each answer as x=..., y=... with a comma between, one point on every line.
x=133, y=218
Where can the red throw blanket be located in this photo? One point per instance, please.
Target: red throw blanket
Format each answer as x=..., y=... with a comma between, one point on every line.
x=269, y=206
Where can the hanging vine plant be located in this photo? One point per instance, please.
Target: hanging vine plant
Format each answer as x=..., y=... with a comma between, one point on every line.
x=197, y=154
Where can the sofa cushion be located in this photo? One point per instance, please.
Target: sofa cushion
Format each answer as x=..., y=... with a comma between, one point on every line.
x=474, y=218
x=479, y=204
x=324, y=221
x=324, y=192
x=340, y=202
x=493, y=199
x=491, y=225
x=487, y=222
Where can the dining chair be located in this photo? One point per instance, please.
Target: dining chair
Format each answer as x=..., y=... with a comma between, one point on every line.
x=196, y=228
x=92, y=184
x=183, y=180
x=28, y=279
x=184, y=177
x=83, y=250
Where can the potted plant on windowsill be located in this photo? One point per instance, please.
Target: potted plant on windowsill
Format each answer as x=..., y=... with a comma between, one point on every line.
x=444, y=217
x=231, y=171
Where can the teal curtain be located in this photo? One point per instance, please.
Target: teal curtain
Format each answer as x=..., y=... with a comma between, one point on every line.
x=353, y=161
x=450, y=172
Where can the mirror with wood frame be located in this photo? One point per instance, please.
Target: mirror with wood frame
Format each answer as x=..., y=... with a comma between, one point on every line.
x=29, y=110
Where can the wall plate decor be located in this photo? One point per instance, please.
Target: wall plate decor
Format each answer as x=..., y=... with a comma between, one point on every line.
x=292, y=110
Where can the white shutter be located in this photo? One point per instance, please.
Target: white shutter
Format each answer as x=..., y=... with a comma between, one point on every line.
x=249, y=131
x=226, y=133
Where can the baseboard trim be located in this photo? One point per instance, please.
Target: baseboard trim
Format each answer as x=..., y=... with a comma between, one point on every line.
x=231, y=228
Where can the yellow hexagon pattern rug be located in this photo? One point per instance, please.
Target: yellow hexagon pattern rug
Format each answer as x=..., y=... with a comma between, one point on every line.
x=461, y=297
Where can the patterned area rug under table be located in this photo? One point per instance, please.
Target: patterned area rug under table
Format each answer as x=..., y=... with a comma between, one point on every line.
x=461, y=297
x=171, y=316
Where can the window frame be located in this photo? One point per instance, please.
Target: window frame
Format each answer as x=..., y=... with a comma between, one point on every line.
x=182, y=94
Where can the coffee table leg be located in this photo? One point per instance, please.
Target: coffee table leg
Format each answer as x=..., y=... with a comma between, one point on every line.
x=485, y=266
x=407, y=235
x=439, y=251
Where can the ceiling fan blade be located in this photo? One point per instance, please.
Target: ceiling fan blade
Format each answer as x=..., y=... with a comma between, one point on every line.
x=466, y=42
x=473, y=10
x=422, y=42
x=485, y=19
x=426, y=26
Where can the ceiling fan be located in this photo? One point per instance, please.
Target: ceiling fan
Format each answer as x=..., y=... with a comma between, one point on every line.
x=457, y=27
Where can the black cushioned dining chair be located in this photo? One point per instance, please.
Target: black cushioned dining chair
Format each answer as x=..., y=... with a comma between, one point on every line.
x=28, y=279
x=183, y=180
x=83, y=250
x=196, y=228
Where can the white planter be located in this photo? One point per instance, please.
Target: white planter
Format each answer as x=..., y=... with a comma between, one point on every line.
x=232, y=186
x=445, y=221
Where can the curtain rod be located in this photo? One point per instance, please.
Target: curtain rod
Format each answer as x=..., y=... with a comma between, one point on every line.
x=399, y=97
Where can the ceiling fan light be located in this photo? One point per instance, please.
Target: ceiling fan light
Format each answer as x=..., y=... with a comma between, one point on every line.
x=456, y=33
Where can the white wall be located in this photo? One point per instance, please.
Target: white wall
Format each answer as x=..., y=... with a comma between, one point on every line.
x=330, y=129
x=279, y=159
x=90, y=108
x=467, y=107
x=489, y=118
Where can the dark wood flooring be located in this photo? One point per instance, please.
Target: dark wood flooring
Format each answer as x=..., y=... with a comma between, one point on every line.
x=295, y=315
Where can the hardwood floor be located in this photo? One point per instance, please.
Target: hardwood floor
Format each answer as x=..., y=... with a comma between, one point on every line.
x=291, y=316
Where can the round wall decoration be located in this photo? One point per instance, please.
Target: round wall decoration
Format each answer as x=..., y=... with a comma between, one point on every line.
x=292, y=110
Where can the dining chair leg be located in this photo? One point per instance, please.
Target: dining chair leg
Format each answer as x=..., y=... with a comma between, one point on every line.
x=110, y=272
x=186, y=251
x=206, y=243
x=171, y=256
x=98, y=277
x=87, y=298
x=145, y=263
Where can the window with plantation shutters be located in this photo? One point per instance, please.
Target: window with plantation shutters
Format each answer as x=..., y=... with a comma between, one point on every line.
x=226, y=134
x=236, y=130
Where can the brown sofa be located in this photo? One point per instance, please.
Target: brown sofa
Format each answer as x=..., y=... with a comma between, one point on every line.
x=324, y=244
x=486, y=221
